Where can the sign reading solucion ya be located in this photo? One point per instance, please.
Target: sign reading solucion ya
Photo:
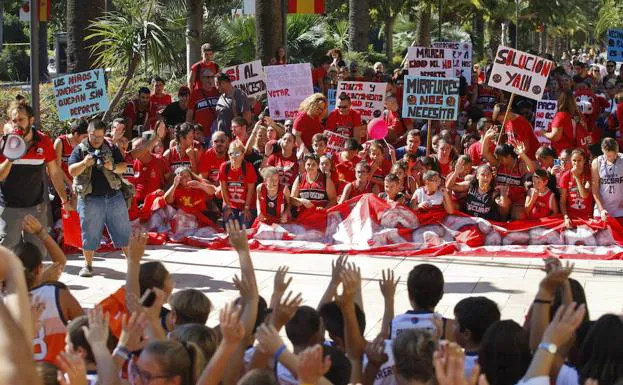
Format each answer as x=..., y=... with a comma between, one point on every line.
x=430, y=98
x=81, y=94
x=520, y=73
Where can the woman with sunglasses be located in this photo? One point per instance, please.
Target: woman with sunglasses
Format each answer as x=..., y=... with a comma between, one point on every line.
x=237, y=179
x=312, y=188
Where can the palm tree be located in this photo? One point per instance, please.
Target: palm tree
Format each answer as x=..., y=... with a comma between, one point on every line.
x=79, y=14
x=359, y=20
x=388, y=11
x=268, y=24
x=123, y=39
x=194, y=20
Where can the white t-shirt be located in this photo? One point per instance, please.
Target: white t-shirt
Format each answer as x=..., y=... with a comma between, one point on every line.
x=414, y=320
x=471, y=359
x=435, y=199
x=567, y=376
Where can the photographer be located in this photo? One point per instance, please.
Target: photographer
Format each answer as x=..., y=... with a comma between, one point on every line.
x=96, y=167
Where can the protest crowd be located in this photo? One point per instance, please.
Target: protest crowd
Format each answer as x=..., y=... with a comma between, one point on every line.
x=216, y=157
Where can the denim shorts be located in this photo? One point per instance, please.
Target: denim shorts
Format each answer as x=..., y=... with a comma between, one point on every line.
x=104, y=210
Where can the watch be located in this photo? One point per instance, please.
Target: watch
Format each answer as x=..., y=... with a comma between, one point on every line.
x=548, y=347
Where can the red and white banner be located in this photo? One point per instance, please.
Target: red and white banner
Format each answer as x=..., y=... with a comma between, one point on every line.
x=369, y=225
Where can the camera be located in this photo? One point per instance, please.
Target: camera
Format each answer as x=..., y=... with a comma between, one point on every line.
x=98, y=157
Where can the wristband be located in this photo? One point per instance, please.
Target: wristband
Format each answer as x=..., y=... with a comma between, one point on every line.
x=122, y=352
x=278, y=353
x=543, y=301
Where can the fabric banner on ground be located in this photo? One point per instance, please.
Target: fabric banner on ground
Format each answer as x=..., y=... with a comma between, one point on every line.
x=461, y=58
x=369, y=225
x=520, y=73
x=366, y=97
x=434, y=62
x=287, y=86
x=249, y=77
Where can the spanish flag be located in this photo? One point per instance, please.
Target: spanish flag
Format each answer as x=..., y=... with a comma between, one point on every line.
x=305, y=6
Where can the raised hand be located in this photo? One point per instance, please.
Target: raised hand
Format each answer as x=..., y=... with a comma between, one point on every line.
x=311, y=366
x=245, y=287
x=136, y=246
x=285, y=310
x=565, y=322
x=97, y=331
x=231, y=326
x=387, y=284
x=520, y=148
x=268, y=338
x=337, y=266
x=349, y=288
x=132, y=331
x=237, y=236
x=52, y=273
x=280, y=284
x=375, y=351
x=449, y=363
x=556, y=277
x=32, y=225
x=73, y=366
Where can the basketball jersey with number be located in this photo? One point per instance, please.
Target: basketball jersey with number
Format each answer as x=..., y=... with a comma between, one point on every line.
x=49, y=340
x=414, y=320
x=610, y=186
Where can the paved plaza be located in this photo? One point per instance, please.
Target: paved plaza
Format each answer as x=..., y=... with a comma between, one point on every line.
x=511, y=282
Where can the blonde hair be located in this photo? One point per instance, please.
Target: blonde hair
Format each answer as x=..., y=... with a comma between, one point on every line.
x=312, y=102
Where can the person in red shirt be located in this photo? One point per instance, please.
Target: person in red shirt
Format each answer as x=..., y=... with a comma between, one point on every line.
x=183, y=153
x=151, y=172
x=202, y=104
x=576, y=197
x=398, y=126
x=344, y=120
x=307, y=122
x=313, y=189
x=563, y=131
x=285, y=161
x=273, y=199
x=160, y=98
x=319, y=73
x=540, y=200
x=64, y=145
x=379, y=165
x=517, y=129
x=444, y=157
x=239, y=127
x=140, y=112
x=475, y=150
x=361, y=185
x=212, y=159
x=189, y=194
x=237, y=178
x=347, y=161
x=205, y=67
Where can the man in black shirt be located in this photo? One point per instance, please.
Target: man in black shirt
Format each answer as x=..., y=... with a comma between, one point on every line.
x=175, y=113
x=96, y=167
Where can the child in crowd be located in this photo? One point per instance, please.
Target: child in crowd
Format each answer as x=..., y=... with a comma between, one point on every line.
x=378, y=164
x=540, y=201
x=319, y=145
x=273, y=198
x=431, y=197
x=459, y=179
x=327, y=166
x=407, y=184
x=361, y=185
x=346, y=163
x=392, y=193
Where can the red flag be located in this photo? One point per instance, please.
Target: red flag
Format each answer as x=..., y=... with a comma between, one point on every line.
x=306, y=6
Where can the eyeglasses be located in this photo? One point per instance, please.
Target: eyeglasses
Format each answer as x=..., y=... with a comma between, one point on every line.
x=235, y=154
x=342, y=107
x=219, y=141
x=146, y=377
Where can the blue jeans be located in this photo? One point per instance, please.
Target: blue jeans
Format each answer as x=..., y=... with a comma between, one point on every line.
x=105, y=210
x=238, y=215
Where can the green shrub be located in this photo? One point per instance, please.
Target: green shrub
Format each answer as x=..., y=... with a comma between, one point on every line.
x=14, y=64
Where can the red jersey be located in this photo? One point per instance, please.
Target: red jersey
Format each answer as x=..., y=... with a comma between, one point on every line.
x=514, y=180
x=114, y=305
x=521, y=129
x=314, y=191
x=201, y=68
x=149, y=176
x=564, y=121
x=543, y=205
x=344, y=124
x=307, y=127
x=379, y=175
x=396, y=123
x=346, y=169
x=272, y=208
x=190, y=199
x=487, y=98
x=445, y=168
x=288, y=167
x=66, y=150
x=146, y=118
x=161, y=101
x=129, y=174
x=318, y=75
x=237, y=181
x=576, y=205
x=356, y=191
x=203, y=105
x=176, y=160
x=210, y=164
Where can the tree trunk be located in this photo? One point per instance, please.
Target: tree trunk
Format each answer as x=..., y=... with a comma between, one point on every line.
x=478, y=36
x=194, y=20
x=388, y=31
x=268, y=26
x=44, y=76
x=1, y=24
x=80, y=14
x=512, y=35
x=136, y=59
x=423, y=27
x=495, y=28
x=359, y=21
x=543, y=40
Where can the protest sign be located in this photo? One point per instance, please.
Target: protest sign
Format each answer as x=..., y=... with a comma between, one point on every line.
x=433, y=62
x=331, y=96
x=81, y=94
x=520, y=73
x=461, y=57
x=615, y=45
x=249, y=77
x=545, y=111
x=430, y=98
x=335, y=142
x=287, y=86
x=366, y=97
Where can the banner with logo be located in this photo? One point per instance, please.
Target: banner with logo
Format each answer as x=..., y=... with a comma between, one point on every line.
x=430, y=98
x=520, y=73
x=248, y=77
x=432, y=62
x=367, y=97
x=545, y=111
x=287, y=86
x=461, y=56
x=81, y=94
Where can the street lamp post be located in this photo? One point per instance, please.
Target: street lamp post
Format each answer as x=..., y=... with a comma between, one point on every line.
x=517, y=24
x=34, y=58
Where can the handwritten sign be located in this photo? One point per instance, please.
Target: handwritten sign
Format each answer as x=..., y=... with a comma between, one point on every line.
x=366, y=97
x=335, y=142
x=545, y=111
x=430, y=98
x=287, y=86
x=432, y=62
x=249, y=77
x=615, y=44
x=331, y=97
x=461, y=57
x=81, y=94
x=520, y=73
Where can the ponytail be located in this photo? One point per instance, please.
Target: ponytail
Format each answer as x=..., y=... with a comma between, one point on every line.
x=183, y=359
x=197, y=360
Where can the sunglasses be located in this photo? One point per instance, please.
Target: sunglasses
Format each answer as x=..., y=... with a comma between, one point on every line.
x=235, y=154
x=342, y=107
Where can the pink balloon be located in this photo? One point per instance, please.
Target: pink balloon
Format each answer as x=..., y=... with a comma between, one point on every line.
x=377, y=129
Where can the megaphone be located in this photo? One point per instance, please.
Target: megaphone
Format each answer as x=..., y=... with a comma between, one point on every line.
x=12, y=146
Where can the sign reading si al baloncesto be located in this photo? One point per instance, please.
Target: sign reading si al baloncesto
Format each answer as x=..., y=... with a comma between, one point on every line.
x=430, y=98
x=520, y=73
